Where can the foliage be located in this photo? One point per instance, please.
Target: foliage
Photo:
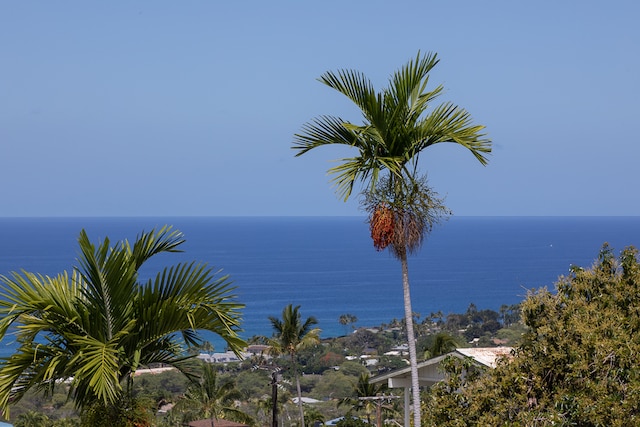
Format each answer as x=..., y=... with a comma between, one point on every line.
x=364, y=341
x=66, y=422
x=98, y=325
x=577, y=363
x=126, y=412
x=254, y=382
x=334, y=385
x=354, y=369
x=352, y=422
x=207, y=397
x=346, y=320
x=312, y=415
x=160, y=388
x=31, y=419
x=440, y=344
x=363, y=389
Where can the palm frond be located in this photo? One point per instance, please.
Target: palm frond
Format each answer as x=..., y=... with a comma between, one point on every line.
x=153, y=243
x=323, y=130
x=355, y=86
x=397, y=126
x=449, y=123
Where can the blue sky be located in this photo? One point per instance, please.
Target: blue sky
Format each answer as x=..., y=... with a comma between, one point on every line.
x=188, y=108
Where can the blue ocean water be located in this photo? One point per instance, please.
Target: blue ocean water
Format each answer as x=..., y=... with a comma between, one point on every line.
x=328, y=266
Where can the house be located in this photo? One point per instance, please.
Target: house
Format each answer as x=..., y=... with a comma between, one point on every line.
x=429, y=371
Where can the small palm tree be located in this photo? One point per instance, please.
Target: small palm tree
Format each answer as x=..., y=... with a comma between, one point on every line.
x=207, y=397
x=398, y=125
x=363, y=389
x=442, y=343
x=312, y=415
x=98, y=325
x=347, y=319
x=290, y=336
x=31, y=419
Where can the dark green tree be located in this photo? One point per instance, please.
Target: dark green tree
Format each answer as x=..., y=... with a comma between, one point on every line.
x=312, y=415
x=442, y=343
x=126, y=412
x=358, y=403
x=209, y=398
x=577, y=362
x=32, y=419
x=398, y=124
x=347, y=319
x=97, y=326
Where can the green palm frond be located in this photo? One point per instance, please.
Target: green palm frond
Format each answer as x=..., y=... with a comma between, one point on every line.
x=399, y=123
x=355, y=86
x=324, y=130
x=150, y=244
x=96, y=368
x=449, y=123
x=99, y=325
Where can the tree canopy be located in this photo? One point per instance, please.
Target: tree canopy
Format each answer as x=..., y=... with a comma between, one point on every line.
x=577, y=363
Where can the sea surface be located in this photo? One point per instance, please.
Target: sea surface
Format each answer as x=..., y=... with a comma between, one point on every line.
x=328, y=265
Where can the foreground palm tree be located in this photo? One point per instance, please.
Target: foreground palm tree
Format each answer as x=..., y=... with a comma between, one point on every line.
x=290, y=336
x=398, y=125
x=97, y=326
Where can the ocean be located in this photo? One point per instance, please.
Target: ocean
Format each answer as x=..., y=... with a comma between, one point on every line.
x=329, y=267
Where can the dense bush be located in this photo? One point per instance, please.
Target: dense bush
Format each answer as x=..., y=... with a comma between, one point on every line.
x=577, y=363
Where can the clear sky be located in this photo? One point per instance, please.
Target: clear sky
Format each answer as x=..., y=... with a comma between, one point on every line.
x=162, y=108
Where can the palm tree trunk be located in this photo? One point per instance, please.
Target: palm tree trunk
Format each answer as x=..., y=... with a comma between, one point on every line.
x=295, y=367
x=300, y=400
x=413, y=359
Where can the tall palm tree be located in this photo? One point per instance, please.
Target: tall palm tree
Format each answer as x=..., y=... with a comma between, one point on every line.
x=97, y=326
x=290, y=336
x=398, y=124
x=208, y=398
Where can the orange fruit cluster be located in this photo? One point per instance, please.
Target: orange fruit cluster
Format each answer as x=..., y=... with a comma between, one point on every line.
x=382, y=226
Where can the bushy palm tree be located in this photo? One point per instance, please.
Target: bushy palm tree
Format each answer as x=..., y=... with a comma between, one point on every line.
x=208, y=397
x=32, y=419
x=290, y=336
x=398, y=124
x=97, y=326
x=362, y=389
x=442, y=343
x=312, y=415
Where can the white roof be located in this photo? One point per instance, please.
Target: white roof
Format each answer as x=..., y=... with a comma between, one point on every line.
x=429, y=371
x=485, y=355
x=305, y=400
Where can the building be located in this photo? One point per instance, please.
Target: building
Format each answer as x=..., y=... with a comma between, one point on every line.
x=429, y=371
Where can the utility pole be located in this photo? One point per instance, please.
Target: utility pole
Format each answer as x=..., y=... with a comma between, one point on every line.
x=276, y=377
x=274, y=398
